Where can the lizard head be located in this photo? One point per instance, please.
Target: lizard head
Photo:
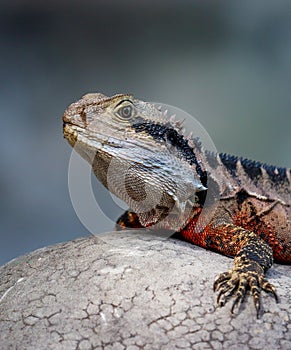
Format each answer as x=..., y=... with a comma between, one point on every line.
x=139, y=154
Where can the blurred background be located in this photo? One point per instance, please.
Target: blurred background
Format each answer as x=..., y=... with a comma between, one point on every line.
x=226, y=63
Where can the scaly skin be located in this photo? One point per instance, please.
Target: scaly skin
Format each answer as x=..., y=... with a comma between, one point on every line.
x=248, y=217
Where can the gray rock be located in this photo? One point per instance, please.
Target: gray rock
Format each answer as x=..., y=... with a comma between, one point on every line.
x=130, y=290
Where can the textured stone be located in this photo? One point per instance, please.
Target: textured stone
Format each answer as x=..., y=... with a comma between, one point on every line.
x=131, y=291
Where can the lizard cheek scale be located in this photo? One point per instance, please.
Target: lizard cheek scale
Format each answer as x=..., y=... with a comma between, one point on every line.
x=174, y=175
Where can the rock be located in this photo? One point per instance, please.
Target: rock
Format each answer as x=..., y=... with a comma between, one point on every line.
x=132, y=290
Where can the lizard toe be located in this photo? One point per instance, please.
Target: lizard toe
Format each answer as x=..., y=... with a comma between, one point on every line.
x=225, y=284
x=220, y=280
x=268, y=287
x=240, y=293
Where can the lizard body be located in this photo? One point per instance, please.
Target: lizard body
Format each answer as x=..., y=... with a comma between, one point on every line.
x=168, y=177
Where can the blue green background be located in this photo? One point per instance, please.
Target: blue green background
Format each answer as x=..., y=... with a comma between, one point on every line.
x=226, y=62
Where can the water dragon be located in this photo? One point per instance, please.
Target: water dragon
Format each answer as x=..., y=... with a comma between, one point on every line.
x=166, y=178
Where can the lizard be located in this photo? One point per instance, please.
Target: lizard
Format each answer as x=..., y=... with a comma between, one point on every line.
x=165, y=177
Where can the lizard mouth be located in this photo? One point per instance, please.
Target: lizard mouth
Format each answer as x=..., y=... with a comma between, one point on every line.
x=76, y=134
x=70, y=134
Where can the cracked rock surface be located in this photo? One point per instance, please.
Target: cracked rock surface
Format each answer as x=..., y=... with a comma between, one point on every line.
x=132, y=291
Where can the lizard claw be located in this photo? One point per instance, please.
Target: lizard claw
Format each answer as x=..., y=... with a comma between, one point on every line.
x=246, y=274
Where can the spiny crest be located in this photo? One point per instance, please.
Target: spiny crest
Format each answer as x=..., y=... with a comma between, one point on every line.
x=171, y=121
x=179, y=126
x=253, y=168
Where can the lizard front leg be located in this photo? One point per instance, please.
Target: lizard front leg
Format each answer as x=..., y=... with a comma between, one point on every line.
x=253, y=257
x=128, y=219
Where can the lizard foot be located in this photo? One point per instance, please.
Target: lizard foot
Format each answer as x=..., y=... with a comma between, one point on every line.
x=127, y=220
x=245, y=274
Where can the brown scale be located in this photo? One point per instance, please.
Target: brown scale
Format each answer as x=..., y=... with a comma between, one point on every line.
x=253, y=216
x=264, y=230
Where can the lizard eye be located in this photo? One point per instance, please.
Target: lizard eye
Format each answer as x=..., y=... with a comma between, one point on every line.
x=125, y=112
